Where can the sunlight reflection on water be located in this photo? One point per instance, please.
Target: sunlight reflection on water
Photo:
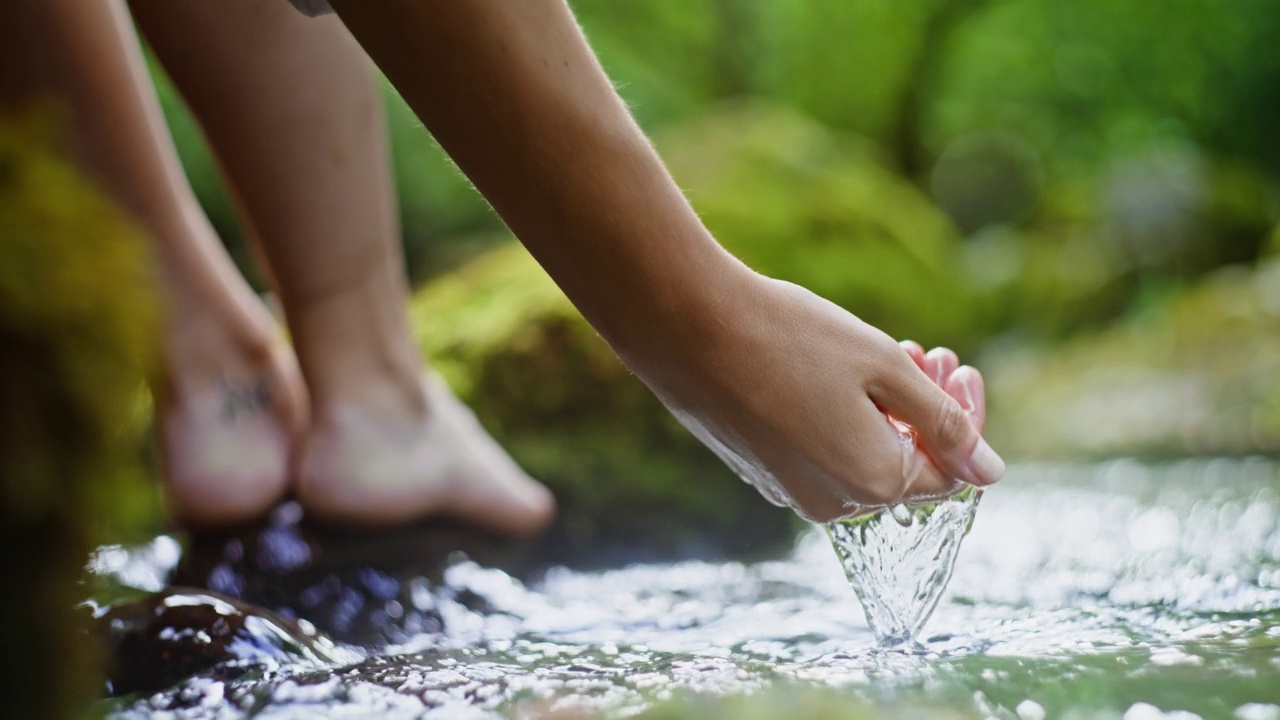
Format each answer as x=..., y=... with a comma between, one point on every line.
x=1083, y=591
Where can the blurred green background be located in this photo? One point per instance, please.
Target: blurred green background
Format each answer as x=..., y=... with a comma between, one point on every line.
x=1154, y=125
x=1081, y=198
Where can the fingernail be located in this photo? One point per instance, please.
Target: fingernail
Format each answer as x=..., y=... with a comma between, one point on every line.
x=986, y=465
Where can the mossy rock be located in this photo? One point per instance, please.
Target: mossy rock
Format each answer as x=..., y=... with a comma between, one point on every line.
x=632, y=484
x=76, y=325
x=783, y=194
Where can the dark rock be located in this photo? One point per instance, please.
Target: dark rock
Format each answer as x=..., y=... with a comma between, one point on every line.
x=366, y=588
x=173, y=635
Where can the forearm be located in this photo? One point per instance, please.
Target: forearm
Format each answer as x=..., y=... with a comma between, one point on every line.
x=514, y=94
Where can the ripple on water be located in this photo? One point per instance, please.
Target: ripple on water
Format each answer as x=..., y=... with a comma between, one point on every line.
x=1084, y=591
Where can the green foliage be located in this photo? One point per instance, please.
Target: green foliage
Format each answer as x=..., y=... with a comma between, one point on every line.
x=1090, y=256
x=800, y=203
x=846, y=64
x=1076, y=85
x=77, y=327
x=1272, y=248
x=1084, y=81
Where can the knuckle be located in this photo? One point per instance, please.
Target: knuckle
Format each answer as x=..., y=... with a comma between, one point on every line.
x=951, y=428
x=890, y=362
x=890, y=354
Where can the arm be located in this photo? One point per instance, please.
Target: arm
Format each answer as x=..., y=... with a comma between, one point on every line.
x=515, y=96
x=781, y=384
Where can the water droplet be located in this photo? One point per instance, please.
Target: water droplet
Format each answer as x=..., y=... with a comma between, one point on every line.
x=901, y=513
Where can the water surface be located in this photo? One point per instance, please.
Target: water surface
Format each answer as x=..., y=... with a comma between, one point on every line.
x=1103, y=591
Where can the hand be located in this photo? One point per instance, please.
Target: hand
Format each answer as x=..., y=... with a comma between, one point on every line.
x=792, y=393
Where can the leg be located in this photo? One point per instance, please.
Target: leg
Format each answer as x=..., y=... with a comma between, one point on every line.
x=232, y=401
x=291, y=108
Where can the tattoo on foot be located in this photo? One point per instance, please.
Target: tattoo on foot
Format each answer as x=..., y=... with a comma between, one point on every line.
x=239, y=399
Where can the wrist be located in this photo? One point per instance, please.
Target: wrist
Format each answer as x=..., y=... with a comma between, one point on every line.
x=684, y=313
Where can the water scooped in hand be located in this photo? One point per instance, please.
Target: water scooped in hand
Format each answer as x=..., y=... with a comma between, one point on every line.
x=899, y=559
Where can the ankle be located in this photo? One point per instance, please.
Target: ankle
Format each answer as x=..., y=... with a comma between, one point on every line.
x=201, y=345
x=357, y=352
x=378, y=395
x=377, y=377
x=214, y=321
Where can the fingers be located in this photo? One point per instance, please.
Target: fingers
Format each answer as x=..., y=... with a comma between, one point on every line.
x=967, y=387
x=962, y=383
x=939, y=363
x=915, y=351
x=887, y=466
x=944, y=429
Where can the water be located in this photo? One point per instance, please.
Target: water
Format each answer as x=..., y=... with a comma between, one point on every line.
x=1111, y=591
x=899, y=560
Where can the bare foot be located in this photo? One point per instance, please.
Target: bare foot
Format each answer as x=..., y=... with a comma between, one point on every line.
x=229, y=416
x=359, y=468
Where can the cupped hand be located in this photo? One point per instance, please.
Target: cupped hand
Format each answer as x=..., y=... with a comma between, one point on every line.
x=795, y=395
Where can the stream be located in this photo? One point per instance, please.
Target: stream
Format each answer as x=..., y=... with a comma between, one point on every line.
x=1110, y=590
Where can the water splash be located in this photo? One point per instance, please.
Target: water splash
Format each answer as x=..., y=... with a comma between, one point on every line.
x=899, y=561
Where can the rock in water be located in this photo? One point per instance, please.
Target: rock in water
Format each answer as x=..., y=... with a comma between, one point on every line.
x=899, y=561
x=181, y=632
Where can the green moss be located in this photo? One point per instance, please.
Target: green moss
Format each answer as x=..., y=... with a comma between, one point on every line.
x=630, y=481
x=76, y=325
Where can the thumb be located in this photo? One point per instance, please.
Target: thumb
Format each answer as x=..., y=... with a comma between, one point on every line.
x=947, y=432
